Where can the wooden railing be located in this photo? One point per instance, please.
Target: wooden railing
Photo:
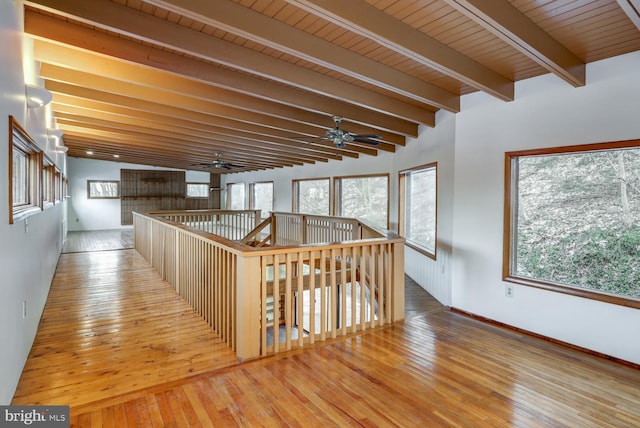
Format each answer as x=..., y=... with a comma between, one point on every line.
x=271, y=299
x=231, y=224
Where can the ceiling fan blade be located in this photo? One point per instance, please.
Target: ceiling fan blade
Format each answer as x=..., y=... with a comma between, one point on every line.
x=366, y=141
x=366, y=136
x=234, y=165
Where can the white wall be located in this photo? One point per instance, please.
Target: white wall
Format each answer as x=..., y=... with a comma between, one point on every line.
x=102, y=214
x=546, y=113
x=29, y=250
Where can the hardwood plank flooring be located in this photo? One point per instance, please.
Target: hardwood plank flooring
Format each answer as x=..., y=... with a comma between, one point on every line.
x=437, y=368
x=98, y=240
x=111, y=326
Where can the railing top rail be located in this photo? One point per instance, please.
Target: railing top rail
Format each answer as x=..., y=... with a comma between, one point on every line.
x=249, y=251
x=201, y=211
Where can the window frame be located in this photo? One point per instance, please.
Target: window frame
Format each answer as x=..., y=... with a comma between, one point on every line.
x=19, y=140
x=102, y=181
x=402, y=206
x=48, y=182
x=509, y=224
x=295, y=191
x=337, y=192
x=205, y=185
x=252, y=197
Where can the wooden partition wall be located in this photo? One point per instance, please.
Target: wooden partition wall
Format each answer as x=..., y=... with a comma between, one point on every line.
x=271, y=299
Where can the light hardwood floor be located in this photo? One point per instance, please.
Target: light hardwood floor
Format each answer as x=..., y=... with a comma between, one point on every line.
x=98, y=240
x=123, y=351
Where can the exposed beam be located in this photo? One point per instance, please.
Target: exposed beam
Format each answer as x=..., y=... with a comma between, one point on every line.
x=245, y=22
x=182, y=92
x=175, y=115
x=505, y=21
x=632, y=9
x=367, y=20
x=178, y=134
x=46, y=28
x=159, y=32
x=96, y=110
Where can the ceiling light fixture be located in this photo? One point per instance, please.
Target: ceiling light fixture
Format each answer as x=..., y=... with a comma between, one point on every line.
x=37, y=96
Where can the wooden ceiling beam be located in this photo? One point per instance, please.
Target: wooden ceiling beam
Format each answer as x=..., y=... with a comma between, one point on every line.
x=158, y=130
x=252, y=25
x=367, y=20
x=632, y=9
x=64, y=79
x=159, y=32
x=78, y=148
x=120, y=58
x=503, y=20
x=105, y=138
x=94, y=109
x=56, y=56
x=182, y=118
x=97, y=100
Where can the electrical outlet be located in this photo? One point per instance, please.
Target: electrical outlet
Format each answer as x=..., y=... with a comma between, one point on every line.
x=508, y=290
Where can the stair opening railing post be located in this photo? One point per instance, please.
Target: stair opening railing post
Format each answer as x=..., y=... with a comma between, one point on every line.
x=248, y=307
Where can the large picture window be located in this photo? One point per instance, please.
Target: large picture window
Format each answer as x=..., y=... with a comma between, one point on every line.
x=572, y=220
x=312, y=196
x=25, y=170
x=418, y=208
x=235, y=196
x=365, y=198
x=261, y=197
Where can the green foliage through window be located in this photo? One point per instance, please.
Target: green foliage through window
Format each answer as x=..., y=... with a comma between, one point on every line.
x=576, y=220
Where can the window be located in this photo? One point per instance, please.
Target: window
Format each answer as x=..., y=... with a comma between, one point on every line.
x=235, y=196
x=312, y=196
x=25, y=170
x=261, y=197
x=48, y=182
x=365, y=198
x=572, y=220
x=197, y=190
x=418, y=208
x=103, y=189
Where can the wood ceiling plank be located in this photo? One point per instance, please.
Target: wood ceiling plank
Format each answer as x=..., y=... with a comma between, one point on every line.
x=410, y=42
x=184, y=118
x=181, y=134
x=509, y=24
x=287, y=97
x=120, y=19
x=255, y=26
x=98, y=110
x=103, y=137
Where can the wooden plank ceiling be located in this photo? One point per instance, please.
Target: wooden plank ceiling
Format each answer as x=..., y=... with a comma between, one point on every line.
x=173, y=82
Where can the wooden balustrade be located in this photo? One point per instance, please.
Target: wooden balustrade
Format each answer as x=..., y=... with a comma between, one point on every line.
x=271, y=299
x=231, y=224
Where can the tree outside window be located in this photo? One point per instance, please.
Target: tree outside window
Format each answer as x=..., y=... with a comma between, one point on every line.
x=574, y=220
x=418, y=208
x=365, y=198
x=311, y=196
